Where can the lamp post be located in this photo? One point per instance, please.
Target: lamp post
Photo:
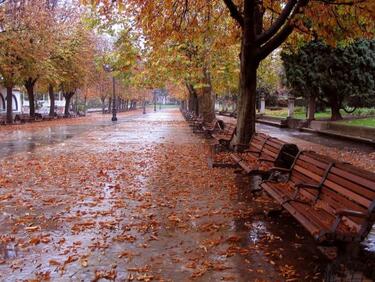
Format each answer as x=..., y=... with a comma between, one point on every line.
x=108, y=68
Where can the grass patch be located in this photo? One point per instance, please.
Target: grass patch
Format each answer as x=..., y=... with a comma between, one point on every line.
x=300, y=113
x=367, y=122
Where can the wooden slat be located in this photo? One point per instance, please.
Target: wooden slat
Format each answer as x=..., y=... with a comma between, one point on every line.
x=347, y=193
x=321, y=163
x=354, y=187
x=310, y=174
x=370, y=184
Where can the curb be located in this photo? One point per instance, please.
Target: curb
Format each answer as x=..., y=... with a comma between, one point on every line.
x=339, y=135
x=271, y=123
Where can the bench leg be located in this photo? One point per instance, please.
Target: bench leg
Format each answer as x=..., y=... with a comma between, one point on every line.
x=349, y=250
x=276, y=212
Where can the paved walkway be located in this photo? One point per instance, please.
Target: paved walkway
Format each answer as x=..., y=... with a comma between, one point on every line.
x=136, y=201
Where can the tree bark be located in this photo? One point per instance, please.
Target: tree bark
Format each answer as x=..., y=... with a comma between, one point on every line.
x=68, y=97
x=51, y=101
x=335, y=103
x=206, y=100
x=103, y=105
x=9, y=104
x=246, y=105
x=335, y=112
x=193, y=104
x=29, y=85
x=311, y=108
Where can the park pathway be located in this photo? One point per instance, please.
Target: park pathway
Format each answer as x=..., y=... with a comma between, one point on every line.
x=136, y=201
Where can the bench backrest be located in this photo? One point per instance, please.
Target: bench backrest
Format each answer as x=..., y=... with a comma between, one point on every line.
x=257, y=142
x=310, y=168
x=350, y=188
x=230, y=129
x=271, y=149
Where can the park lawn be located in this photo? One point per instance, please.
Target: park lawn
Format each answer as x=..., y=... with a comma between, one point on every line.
x=299, y=113
x=368, y=122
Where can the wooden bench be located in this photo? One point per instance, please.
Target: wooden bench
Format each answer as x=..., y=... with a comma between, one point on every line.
x=211, y=127
x=3, y=119
x=334, y=201
x=196, y=123
x=225, y=136
x=264, y=153
x=23, y=118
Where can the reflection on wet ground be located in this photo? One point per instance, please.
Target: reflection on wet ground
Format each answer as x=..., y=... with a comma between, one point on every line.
x=26, y=140
x=136, y=201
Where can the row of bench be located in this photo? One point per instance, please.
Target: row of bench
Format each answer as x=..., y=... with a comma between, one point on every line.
x=333, y=200
x=24, y=118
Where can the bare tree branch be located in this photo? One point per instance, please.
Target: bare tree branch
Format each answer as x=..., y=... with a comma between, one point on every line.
x=281, y=20
x=275, y=42
x=234, y=12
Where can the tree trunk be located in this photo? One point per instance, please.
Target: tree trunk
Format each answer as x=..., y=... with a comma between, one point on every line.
x=9, y=104
x=335, y=104
x=85, y=105
x=206, y=100
x=311, y=108
x=103, y=105
x=335, y=112
x=247, y=94
x=193, y=104
x=68, y=98
x=29, y=85
x=51, y=101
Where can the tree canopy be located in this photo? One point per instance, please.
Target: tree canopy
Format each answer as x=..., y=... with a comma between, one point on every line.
x=333, y=75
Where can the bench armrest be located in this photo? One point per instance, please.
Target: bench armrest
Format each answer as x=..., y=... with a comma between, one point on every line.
x=302, y=185
x=265, y=160
x=307, y=185
x=345, y=212
x=251, y=151
x=281, y=169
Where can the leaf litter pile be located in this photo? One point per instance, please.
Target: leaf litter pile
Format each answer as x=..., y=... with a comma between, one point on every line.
x=97, y=209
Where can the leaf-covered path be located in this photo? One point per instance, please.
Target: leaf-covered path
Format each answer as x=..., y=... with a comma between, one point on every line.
x=137, y=202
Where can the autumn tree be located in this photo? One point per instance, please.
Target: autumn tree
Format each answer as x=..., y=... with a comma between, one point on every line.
x=14, y=45
x=73, y=62
x=263, y=25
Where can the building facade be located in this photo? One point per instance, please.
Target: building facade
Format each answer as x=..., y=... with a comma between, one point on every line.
x=16, y=101
x=20, y=103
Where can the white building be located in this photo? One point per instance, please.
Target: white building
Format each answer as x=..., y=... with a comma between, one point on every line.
x=16, y=102
x=43, y=104
x=20, y=102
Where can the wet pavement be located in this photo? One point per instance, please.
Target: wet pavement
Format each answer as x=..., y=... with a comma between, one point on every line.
x=136, y=201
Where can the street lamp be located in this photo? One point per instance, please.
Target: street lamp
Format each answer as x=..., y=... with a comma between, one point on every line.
x=108, y=68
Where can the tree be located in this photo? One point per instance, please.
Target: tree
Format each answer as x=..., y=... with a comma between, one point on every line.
x=333, y=75
x=263, y=26
x=12, y=32
x=74, y=62
x=266, y=25
x=30, y=23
